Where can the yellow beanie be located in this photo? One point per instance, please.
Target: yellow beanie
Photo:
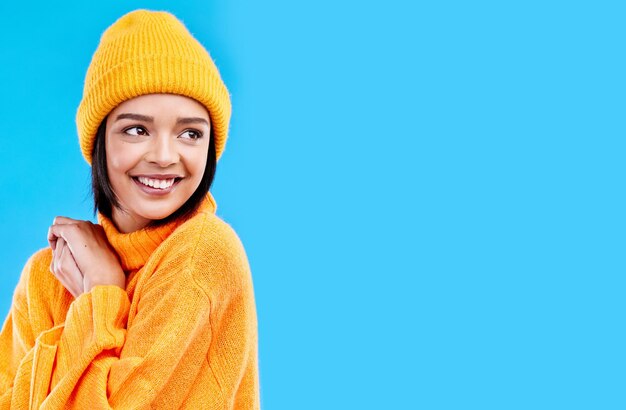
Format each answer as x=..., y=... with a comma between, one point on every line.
x=146, y=52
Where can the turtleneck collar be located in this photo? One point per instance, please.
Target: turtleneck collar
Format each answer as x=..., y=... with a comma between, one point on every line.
x=134, y=248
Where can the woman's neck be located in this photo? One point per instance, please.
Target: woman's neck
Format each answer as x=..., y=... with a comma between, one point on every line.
x=126, y=222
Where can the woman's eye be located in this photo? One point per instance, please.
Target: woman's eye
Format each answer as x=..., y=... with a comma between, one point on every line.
x=136, y=131
x=192, y=134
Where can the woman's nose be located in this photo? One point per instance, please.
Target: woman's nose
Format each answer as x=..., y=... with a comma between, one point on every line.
x=163, y=151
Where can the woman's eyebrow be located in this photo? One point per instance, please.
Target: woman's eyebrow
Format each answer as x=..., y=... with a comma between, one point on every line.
x=137, y=117
x=145, y=118
x=192, y=120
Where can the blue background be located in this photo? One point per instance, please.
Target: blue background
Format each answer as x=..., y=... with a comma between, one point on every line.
x=430, y=194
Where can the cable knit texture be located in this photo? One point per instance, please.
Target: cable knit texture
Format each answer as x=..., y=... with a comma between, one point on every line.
x=183, y=334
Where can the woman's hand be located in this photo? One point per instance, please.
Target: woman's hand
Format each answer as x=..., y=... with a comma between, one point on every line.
x=82, y=256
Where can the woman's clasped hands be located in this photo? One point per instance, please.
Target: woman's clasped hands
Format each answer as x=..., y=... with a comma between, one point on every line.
x=82, y=256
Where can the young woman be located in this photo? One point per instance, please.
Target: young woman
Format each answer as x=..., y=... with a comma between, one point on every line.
x=154, y=306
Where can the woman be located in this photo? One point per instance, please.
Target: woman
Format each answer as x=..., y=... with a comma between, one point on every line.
x=154, y=306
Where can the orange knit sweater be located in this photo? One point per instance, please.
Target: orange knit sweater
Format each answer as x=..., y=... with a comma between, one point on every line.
x=182, y=335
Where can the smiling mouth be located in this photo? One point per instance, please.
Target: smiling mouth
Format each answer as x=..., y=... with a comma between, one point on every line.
x=157, y=183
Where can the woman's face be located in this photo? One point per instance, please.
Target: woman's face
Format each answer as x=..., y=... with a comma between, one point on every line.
x=157, y=147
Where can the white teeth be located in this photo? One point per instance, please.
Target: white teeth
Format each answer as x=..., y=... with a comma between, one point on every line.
x=157, y=183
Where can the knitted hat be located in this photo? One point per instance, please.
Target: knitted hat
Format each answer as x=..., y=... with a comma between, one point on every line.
x=146, y=52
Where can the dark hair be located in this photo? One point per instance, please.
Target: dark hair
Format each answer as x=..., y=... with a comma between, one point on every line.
x=105, y=199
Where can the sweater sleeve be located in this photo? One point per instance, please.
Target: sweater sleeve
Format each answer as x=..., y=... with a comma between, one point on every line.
x=100, y=364
x=16, y=340
x=197, y=317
